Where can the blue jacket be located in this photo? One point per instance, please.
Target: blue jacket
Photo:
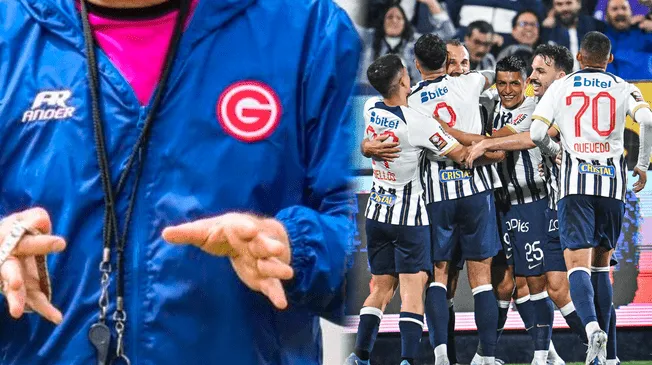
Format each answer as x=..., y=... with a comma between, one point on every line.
x=632, y=52
x=184, y=306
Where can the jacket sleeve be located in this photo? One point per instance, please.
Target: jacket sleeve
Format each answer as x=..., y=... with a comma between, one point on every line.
x=321, y=230
x=537, y=6
x=442, y=24
x=454, y=8
x=439, y=24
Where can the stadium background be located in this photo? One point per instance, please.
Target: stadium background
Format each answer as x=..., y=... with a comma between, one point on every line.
x=632, y=277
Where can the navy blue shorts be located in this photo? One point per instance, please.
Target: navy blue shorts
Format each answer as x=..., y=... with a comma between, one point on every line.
x=553, y=255
x=467, y=224
x=506, y=255
x=587, y=221
x=525, y=228
x=394, y=249
x=457, y=261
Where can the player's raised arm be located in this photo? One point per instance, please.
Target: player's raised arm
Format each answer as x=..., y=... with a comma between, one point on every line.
x=426, y=133
x=490, y=77
x=513, y=142
x=464, y=138
x=379, y=148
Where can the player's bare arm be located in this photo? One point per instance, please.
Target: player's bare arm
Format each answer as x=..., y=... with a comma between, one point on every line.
x=490, y=77
x=464, y=138
x=508, y=142
x=487, y=158
x=644, y=117
x=380, y=149
x=458, y=154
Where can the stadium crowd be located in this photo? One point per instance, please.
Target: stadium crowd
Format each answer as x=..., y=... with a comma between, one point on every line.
x=493, y=30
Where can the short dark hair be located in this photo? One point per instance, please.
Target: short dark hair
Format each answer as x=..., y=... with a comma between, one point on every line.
x=454, y=42
x=482, y=27
x=559, y=54
x=524, y=11
x=595, y=47
x=512, y=64
x=431, y=52
x=383, y=72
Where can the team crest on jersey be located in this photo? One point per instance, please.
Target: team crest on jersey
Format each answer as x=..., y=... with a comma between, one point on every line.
x=519, y=118
x=637, y=96
x=586, y=168
x=249, y=111
x=438, y=141
x=454, y=175
x=383, y=199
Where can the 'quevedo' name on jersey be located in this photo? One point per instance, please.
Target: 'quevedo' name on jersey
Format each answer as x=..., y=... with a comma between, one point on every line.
x=592, y=147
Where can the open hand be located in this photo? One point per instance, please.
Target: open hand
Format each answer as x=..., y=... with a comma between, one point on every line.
x=24, y=277
x=433, y=6
x=476, y=151
x=258, y=248
x=382, y=150
x=642, y=179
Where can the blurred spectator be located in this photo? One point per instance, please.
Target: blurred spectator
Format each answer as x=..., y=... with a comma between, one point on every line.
x=524, y=37
x=631, y=46
x=588, y=6
x=566, y=26
x=525, y=29
x=644, y=21
x=479, y=40
x=394, y=34
x=637, y=9
x=426, y=16
x=498, y=13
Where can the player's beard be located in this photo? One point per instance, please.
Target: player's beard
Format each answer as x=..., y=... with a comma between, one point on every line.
x=568, y=19
x=620, y=22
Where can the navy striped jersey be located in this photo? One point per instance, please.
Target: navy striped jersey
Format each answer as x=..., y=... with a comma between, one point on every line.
x=519, y=172
x=590, y=107
x=551, y=172
x=455, y=100
x=396, y=196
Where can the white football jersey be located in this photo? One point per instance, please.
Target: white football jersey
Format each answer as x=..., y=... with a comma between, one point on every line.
x=396, y=196
x=455, y=101
x=519, y=172
x=590, y=107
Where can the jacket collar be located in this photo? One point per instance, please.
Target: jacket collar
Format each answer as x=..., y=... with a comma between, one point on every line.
x=62, y=17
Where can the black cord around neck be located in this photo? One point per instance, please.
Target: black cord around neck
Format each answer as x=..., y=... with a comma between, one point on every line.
x=110, y=226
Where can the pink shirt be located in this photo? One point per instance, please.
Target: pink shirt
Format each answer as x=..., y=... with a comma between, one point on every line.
x=137, y=48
